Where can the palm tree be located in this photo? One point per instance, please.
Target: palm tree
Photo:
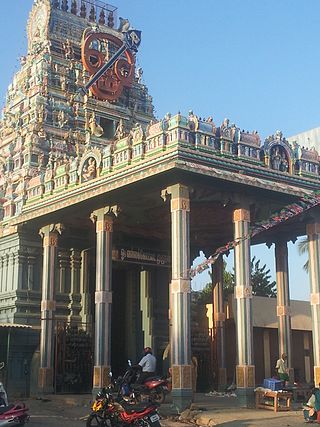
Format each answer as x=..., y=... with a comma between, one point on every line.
x=303, y=248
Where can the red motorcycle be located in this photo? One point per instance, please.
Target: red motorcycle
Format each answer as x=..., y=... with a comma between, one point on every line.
x=154, y=388
x=13, y=415
x=108, y=411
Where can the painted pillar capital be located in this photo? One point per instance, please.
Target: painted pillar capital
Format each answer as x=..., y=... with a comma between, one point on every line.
x=104, y=216
x=180, y=197
x=313, y=228
x=49, y=234
x=241, y=214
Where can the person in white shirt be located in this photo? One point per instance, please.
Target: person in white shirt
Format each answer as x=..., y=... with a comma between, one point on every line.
x=282, y=369
x=148, y=365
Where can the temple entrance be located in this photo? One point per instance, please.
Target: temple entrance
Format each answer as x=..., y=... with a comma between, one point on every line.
x=126, y=335
x=73, y=358
x=139, y=314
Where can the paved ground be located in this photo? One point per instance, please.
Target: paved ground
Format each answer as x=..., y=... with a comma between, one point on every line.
x=70, y=411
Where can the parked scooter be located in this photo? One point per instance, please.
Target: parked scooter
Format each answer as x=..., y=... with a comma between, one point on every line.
x=111, y=410
x=14, y=414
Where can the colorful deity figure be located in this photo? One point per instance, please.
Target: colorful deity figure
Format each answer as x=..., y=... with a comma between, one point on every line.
x=137, y=133
x=120, y=131
x=276, y=158
x=284, y=166
x=89, y=169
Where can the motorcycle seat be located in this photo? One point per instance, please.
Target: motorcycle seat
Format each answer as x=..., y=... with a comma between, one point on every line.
x=4, y=409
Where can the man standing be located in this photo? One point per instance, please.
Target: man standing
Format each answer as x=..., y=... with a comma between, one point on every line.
x=148, y=365
x=282, y=369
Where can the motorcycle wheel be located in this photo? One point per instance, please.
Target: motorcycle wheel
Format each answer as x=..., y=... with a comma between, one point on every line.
x=158, y=396
x=95, y=421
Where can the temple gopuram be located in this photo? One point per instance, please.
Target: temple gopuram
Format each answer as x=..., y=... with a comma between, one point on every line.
x=103, y=207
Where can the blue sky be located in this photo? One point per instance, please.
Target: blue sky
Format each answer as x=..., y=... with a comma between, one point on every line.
x=253, y=61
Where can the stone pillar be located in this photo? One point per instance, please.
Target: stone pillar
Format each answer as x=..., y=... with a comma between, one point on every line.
x=219, y=321
x=86, y=315
x=245, y=370
x=146, y=308
x=313, y=232
x=63, y=263
x=180, y=288
x=103, y=296
x=75, y=297
x=31, y=264
x=266, y=353
x=307, y=362
x=132, y=319
x=283, y=304
x=5, y=267
x=1, y=274
x=49, y=235
x=10, y=277
x=18, y=268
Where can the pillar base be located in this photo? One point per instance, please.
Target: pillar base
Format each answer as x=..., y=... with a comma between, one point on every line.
x=222, y=379
x=316, y=371
x=101, y=378
x=291, y=375
x=45, y=384
x=246, y=397
x=181, y=399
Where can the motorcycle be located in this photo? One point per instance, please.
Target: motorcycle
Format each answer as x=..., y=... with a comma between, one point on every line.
x=154, y=388
x=13, y=415
x=109, y=410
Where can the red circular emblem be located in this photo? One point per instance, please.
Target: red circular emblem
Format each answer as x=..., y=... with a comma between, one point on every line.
x=97, y=49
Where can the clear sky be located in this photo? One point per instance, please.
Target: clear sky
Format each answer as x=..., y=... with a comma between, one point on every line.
x=253, y=61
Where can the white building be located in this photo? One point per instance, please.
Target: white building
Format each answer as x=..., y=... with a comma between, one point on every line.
x=308, y=139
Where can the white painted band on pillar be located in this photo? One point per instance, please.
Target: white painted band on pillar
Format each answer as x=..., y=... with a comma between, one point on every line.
x=180, y=286
x=243, y=291
x=315, y=298
x=283, y=310
x=103, y=297
x=180, y=204
x=220, y=317
x=48, y=305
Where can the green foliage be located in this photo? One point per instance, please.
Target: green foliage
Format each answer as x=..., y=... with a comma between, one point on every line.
x=260, y=282
x=303, y=248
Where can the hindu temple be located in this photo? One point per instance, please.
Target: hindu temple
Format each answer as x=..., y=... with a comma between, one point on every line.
x=103, y=207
